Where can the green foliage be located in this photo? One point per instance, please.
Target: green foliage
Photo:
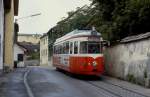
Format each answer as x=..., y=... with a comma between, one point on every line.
x=115, y=19
x=131, y=78
x=34, y=55
x=121, y=18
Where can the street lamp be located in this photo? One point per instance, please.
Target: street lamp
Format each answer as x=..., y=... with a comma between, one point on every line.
x=16, y=26
x=33, y=15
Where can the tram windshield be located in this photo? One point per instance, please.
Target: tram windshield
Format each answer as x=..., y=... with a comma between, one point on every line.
x=88, y=47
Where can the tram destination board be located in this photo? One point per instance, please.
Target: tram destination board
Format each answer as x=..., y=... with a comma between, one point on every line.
x=93, y=38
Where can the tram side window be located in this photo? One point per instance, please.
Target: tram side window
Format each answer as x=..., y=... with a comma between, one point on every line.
x=58, y=49
x=71, y=47
x=83, y=47
x=75, y=47
x=55, y=49
x=61, y=49
x=67, y=48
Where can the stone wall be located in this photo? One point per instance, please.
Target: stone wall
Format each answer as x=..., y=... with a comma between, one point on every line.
x=129, y=61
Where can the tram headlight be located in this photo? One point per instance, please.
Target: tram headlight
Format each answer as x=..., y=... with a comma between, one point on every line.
x=94, y=63
x=89, y=63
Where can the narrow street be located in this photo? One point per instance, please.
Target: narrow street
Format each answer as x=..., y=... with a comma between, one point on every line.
x=51, y=83
x=45, y=82
x=74, y=48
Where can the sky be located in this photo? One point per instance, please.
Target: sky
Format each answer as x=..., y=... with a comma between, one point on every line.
x=51, y=11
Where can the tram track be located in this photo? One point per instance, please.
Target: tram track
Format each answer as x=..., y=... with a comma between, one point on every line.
x=110, y=88
x=103, y=87
x=100, y=87
x=123, y=88
x=114, y=89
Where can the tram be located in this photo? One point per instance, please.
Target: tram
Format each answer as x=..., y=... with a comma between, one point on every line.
x=79, y=52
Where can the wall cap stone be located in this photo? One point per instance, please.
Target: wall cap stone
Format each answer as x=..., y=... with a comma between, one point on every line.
x=136, y=37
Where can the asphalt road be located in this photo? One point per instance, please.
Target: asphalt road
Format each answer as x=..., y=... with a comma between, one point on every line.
x=12, y=85
x=46, y=82
x=51, y=83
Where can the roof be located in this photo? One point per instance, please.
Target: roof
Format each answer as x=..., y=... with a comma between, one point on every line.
x=78, y=33
x=45, y=34
x=23, y=34
x=136, y=37
x=21, y=47
x=29, y=46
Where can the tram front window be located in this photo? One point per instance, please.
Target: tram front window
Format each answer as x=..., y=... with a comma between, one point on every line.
x=88, y=47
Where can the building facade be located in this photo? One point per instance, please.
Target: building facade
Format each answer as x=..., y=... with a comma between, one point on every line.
x=11, y=10
x=19, y=55
x=32, y=38
x=44, y=52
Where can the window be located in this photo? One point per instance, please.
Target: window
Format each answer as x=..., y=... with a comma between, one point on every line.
x=75, y=47
x=83, y=47
x=56, y=49
x=93, y=47
x=67, y=48
x=20, y=57
x=61, y=48
x=71, y=47
x=90, y=47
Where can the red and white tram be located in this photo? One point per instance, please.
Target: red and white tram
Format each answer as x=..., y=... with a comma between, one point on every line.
x=79, y=52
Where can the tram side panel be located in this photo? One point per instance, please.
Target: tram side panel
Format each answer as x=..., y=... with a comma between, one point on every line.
x=61, y=62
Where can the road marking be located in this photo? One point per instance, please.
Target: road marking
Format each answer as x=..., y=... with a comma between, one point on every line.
x=29, y=91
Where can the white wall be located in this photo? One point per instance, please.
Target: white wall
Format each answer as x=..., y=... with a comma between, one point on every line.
x=44, y=51
x=1, y=32
x=17, y=50
x=129, y=59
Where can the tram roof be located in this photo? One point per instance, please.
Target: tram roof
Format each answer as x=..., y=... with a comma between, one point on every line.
x=78, y=33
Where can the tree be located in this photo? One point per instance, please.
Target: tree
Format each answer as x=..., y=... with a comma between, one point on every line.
x=115, y=19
